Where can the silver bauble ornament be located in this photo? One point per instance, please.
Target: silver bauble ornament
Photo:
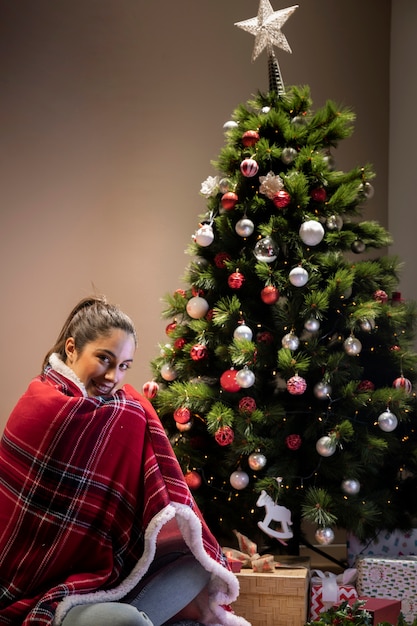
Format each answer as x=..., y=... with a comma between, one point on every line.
x=351, y=486
x=239, y=479
x=358, y=246
x=288, y=155
x=266, y=250
x=298, y=277
x=334, y=222
x=387, y=421
x=225, y=185
x=324, y=536
x=325, y=446
x=168, y=372
x=183, y=428
x=230, y=125
x=244, y=227
x=311, y=232
x=245, y=378
x=204, y=236
x=352, y=346
x=243, y=332
x=290, y=341
x=322, y=390
x=312, y=324
x=367, y=190
x=257, y=461
x=367, y=325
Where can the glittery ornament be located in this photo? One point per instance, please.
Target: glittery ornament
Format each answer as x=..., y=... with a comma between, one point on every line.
x=197, y=307
x=220, y=259
x=366, y=385
x=318, y=194
x=249, y=168
x=312, y=324
x=239, y=479
x=247, y=404
x=168, y=372
x=266, y=250
x=325, y=446
x=324, y=536
x=229, y=200
x=293, y=442
x=257, y=461
x=150, y=389
x=298, y=277
x=228, y=381
x=322, y=390
x=403, y=383
x=245, y=378
x=281, y=199
x=290, y=341
x=358, y=246
x=387, y=421
x=193, y=479
x=182, y=415
x=250, y=138
x=311, y=232
x=296, y=385
x=352, y=346
x=244, y=227
x=265, y=337
x=269, y=294
x=243, y=332
x=204, y=236
x=288, y=155
x=236, y=280
x=350, y=486
x=224, y=435
x=199, y=352
x=380, y=296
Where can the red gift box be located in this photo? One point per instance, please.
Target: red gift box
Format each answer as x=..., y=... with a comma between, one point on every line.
x=382, y=609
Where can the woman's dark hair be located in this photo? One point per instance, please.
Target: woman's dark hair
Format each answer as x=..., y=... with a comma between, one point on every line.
x=91, y=318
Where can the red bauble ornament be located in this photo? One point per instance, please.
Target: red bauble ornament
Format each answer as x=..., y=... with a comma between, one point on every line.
x=193, y=479
x=179, y=343
x=250, y=138
x=366, y=385
x=269, y=294
x=381, y=296
x=265, y=337
x=181, y=292
x=198, y=352
x=247, y=405
x=170, y=328
x=220, y=259
x=150, y=389
x=296, y=385
x=403, y=383
x=182, y=415
x=224, y=435
x=249, y=168
x=228, y=381
x=293, y=442
x=281, y=199
x=229, y=200
x=318, y=194
x=236, y=280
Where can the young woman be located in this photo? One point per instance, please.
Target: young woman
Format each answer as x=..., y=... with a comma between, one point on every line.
x=97, y=526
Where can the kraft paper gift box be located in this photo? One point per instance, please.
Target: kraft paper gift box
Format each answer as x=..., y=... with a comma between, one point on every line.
x=390, y=577
x=386, y=543
x=327, y=589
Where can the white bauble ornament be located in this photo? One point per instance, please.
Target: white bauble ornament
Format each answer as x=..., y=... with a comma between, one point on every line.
x=239, y=479
x=197, y=307
x=325, y=446
x=387, y=421
x=312, y=324
x=298, y=277
x=168, y=372
x=230, y=125
x=257, y=461
x=311, y=232
x=322, y=390
x=204, y=236
x=244, y=227
x=351, y=486
x=245, y=378
x=266, y=250
x=290, y=341
x=243, y=332
x=352, y=346
x=324, y=536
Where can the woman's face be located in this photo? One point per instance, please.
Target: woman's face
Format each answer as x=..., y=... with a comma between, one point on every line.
x=102, y=364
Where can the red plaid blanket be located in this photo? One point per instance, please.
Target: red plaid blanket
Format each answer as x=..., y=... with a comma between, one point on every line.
x=86, y=484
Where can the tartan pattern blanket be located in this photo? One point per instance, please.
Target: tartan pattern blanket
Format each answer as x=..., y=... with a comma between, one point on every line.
x=86, y=485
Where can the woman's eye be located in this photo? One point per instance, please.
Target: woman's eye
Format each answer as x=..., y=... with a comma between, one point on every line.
x=104, y=358
x=124, y=366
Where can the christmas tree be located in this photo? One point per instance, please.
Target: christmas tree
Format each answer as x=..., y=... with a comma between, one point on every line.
x=286, y=381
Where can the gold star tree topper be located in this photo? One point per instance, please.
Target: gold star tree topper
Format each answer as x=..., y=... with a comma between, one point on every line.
x=266, y=27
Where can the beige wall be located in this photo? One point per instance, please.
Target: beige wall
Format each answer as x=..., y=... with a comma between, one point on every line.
x=110, y=113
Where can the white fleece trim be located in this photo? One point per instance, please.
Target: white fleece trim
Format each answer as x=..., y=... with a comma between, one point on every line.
x=59, y=366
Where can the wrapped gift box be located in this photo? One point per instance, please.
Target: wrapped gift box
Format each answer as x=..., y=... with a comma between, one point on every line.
x=381, y=609
x=390, y=577
x=276, y=598
x=397, y=543
x=327, y=590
